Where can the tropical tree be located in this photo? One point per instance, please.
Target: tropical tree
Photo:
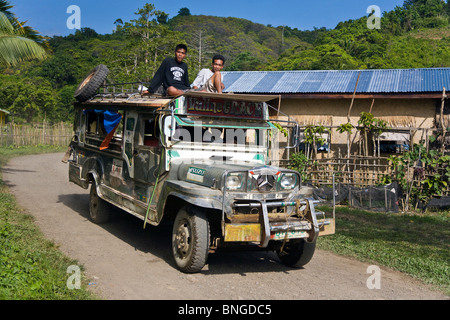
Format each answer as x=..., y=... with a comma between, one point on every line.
x=18, y=42
x=5, y=8
x=29, y=99
x=184, y=12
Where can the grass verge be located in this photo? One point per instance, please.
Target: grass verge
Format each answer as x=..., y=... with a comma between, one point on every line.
x=416, y=244
x=31, y=267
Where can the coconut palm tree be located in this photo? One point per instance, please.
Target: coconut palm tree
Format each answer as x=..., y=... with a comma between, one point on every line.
x=4, y=7
x=18, y=42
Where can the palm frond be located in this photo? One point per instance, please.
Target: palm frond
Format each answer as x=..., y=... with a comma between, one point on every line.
x=14, y=47
x=5, y=24
x=4, y=7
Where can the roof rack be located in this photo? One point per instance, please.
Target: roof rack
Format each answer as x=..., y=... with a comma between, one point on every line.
x=127, y=93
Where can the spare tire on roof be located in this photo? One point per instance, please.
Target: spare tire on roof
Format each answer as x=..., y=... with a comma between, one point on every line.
x=89, y=86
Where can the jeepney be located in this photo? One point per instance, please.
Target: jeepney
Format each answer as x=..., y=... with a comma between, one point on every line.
x=203, y=162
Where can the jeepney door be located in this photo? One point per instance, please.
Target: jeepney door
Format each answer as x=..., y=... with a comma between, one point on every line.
x=147, y=149
x=81, y=127
x=128, y=140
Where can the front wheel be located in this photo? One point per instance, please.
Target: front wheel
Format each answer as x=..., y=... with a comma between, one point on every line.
x=296, y=253
x=190, y=239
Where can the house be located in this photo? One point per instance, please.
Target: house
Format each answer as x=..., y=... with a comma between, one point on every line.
x=3, y=114
x=409, y=100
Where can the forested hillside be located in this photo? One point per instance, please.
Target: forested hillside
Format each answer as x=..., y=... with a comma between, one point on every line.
x=414, y=35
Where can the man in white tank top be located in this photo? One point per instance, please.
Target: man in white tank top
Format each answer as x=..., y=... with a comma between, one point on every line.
x=211, y=80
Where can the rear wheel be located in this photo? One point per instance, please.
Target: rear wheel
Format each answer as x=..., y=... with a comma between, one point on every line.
x=190, y=239
x=296, y=253
x=99, y=209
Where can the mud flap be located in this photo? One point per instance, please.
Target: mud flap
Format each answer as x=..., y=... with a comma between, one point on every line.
x=75, y=175
x=67, y=155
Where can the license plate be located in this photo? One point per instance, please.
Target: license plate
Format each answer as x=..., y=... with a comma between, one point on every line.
x=281, y=235
x=243, y=232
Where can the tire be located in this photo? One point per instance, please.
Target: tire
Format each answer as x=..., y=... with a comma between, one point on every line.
x=297, y=253
x=89, y=86
x=190, y=239
x=99, y=209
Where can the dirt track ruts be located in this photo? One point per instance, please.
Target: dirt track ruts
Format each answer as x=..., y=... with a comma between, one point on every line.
x=125, y=261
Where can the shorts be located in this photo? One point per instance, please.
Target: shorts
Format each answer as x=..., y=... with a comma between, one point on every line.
x=209, y=86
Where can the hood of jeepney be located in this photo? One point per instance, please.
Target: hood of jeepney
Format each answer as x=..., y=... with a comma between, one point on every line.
x=211, y=174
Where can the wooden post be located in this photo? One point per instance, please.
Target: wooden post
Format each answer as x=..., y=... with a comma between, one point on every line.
x=371, y=106
x=353, y=98
x=279, y=105
x=444, y=129
x=350, y=108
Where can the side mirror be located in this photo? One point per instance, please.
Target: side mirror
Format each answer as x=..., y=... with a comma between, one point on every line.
x=295, y=136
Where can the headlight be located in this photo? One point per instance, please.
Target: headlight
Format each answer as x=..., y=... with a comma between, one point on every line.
x=288, y=181
x=234, y=181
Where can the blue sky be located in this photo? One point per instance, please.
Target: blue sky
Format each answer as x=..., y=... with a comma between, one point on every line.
x=49, y=17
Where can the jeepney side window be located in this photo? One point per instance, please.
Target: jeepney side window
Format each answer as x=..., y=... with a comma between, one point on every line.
x=148, y=132
x=91, y=122
x=82, y=126
x=116, y=141
x=118, y=134
x=77, y=123
x=95, y=123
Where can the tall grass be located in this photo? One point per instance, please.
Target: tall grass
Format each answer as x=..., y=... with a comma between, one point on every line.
x=31, y=267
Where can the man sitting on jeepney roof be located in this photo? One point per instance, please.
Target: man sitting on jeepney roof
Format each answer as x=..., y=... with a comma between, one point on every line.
x=211, y=80
x=172, y=74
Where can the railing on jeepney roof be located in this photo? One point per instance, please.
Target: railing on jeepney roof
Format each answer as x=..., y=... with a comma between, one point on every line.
x=123, y=90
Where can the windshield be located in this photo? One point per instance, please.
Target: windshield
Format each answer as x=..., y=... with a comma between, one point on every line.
x=219, y=132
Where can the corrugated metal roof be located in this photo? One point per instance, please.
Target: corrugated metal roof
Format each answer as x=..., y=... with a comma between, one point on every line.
x=338, y=81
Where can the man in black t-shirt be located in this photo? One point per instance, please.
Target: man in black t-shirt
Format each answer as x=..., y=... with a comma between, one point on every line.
x=172, y=74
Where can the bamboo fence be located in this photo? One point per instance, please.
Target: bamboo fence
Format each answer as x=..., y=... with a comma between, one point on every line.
x=356, y=171
x=18, y=135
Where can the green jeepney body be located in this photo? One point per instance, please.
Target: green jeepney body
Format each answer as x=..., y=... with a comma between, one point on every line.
x=150, y=156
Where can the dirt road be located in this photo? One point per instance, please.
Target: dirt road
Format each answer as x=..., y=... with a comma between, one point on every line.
x=126, y=261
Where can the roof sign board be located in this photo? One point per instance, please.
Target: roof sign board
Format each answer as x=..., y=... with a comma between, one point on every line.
x=226, y=105
x=224, y=108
